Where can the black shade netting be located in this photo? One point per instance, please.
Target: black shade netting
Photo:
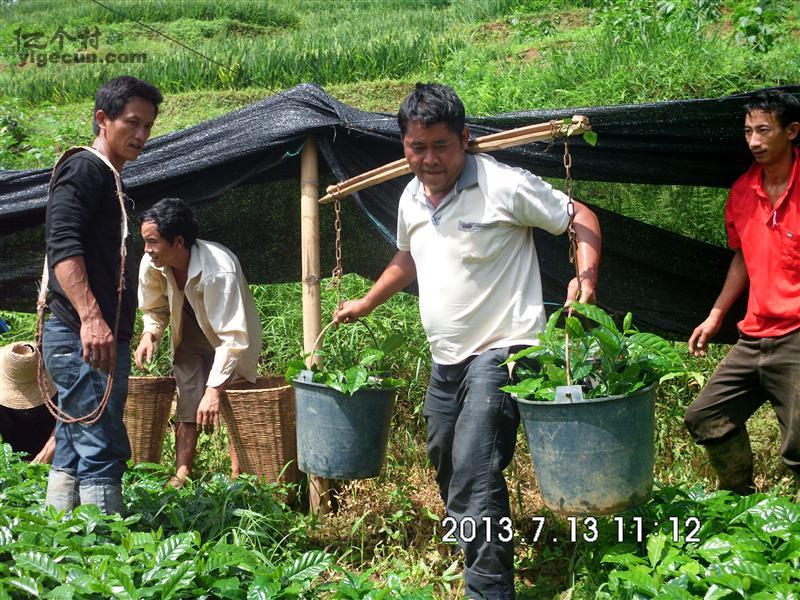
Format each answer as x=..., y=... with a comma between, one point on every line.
x=668, y=281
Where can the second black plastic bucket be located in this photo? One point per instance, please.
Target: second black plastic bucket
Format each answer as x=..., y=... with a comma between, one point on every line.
x=340, y=436
x=593, y=457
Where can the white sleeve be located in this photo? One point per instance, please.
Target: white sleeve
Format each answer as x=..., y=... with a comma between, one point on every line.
x=403, y=243
x=537, y=204
x=224, y=307
x=153, y=299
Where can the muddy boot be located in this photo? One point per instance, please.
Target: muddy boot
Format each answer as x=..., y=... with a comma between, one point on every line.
x=107, y=496
x=62, y=490
x=732, y=460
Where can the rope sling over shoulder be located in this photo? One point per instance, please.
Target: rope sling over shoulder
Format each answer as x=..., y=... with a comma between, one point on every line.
x=95, y=415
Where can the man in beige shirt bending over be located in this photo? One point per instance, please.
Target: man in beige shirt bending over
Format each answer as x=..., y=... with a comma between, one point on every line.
x=216, y=331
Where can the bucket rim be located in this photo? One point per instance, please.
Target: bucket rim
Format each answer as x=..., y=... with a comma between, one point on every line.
x=387, y=390
x=639, y=392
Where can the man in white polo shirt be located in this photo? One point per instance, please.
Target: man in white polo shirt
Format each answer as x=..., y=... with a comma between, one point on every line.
x=464, y=232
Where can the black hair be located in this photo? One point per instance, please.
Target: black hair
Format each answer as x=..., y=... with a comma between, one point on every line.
x=173, y=217
x=432, y=103
x=785, y=107
x=112, y=97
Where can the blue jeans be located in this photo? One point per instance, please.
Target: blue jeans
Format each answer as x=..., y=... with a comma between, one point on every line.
x=95, y=454
x=472, y=432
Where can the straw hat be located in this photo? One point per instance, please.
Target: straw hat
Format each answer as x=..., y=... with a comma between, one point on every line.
x=18, y=386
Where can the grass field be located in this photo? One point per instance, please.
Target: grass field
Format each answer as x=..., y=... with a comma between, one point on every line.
x=500, y=55
x=236, y=540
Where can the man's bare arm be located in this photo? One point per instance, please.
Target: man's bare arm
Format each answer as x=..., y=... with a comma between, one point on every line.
x=400, y=272
x=99, y=349
x=735, y=282
x=587, y=232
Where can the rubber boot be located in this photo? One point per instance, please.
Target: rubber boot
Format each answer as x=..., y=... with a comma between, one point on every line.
x=732, y=460
x=62, y=490
x=107, y=496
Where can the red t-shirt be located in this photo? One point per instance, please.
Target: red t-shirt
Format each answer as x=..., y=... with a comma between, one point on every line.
x=769, y=238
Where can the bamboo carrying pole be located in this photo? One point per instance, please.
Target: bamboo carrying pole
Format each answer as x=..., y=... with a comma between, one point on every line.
x=487, y=143
x=319, y=497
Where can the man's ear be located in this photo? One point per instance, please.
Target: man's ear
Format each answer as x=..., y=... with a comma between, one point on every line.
x=465, y=138
x=794, y=130
x=179, y=242
x=100, y=116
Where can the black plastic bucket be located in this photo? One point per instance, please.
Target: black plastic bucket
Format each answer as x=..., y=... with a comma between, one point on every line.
x=593, y=457
x=340, y=436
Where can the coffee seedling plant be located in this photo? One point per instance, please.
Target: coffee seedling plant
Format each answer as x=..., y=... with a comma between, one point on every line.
x=348, y=368
x=605, y=360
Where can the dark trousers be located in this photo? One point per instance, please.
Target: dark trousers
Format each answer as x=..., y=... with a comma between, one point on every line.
x=472, y=431
x=26, y=429
x=754, y=371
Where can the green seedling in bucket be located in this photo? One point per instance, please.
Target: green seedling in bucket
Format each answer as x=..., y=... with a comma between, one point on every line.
x=604, y=359
x=348, y=368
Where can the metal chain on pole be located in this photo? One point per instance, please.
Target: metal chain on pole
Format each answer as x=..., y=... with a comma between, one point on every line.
x=559, y=129
x=573, y=238
x=336, y=275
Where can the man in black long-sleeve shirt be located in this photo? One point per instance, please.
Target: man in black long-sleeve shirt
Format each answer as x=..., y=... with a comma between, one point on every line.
x=84, y=241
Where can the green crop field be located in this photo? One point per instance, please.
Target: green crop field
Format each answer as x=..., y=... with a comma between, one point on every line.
x=244, y=539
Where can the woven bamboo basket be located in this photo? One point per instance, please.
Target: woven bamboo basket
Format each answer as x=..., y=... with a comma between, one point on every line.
x=261, y=423
x=146, y=415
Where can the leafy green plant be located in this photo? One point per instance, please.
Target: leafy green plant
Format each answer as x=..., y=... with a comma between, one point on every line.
x=756, y=24
x=353, y=368
x=16, y=145
x=210, y=539
x=648, y=21
x=708, y=546
x=11, y=129
x=605, y=360
x=161, y=363
x=697, y=13
x=22, y=327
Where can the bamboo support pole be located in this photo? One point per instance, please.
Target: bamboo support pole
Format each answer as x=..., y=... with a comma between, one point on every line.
x=487, y=143
x=319, y=497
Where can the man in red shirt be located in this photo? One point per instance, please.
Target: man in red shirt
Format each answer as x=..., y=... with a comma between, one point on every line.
x=762, y=219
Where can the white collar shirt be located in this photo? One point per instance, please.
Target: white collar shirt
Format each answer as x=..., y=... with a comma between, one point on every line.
x=217, y=292
x=476, y=262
